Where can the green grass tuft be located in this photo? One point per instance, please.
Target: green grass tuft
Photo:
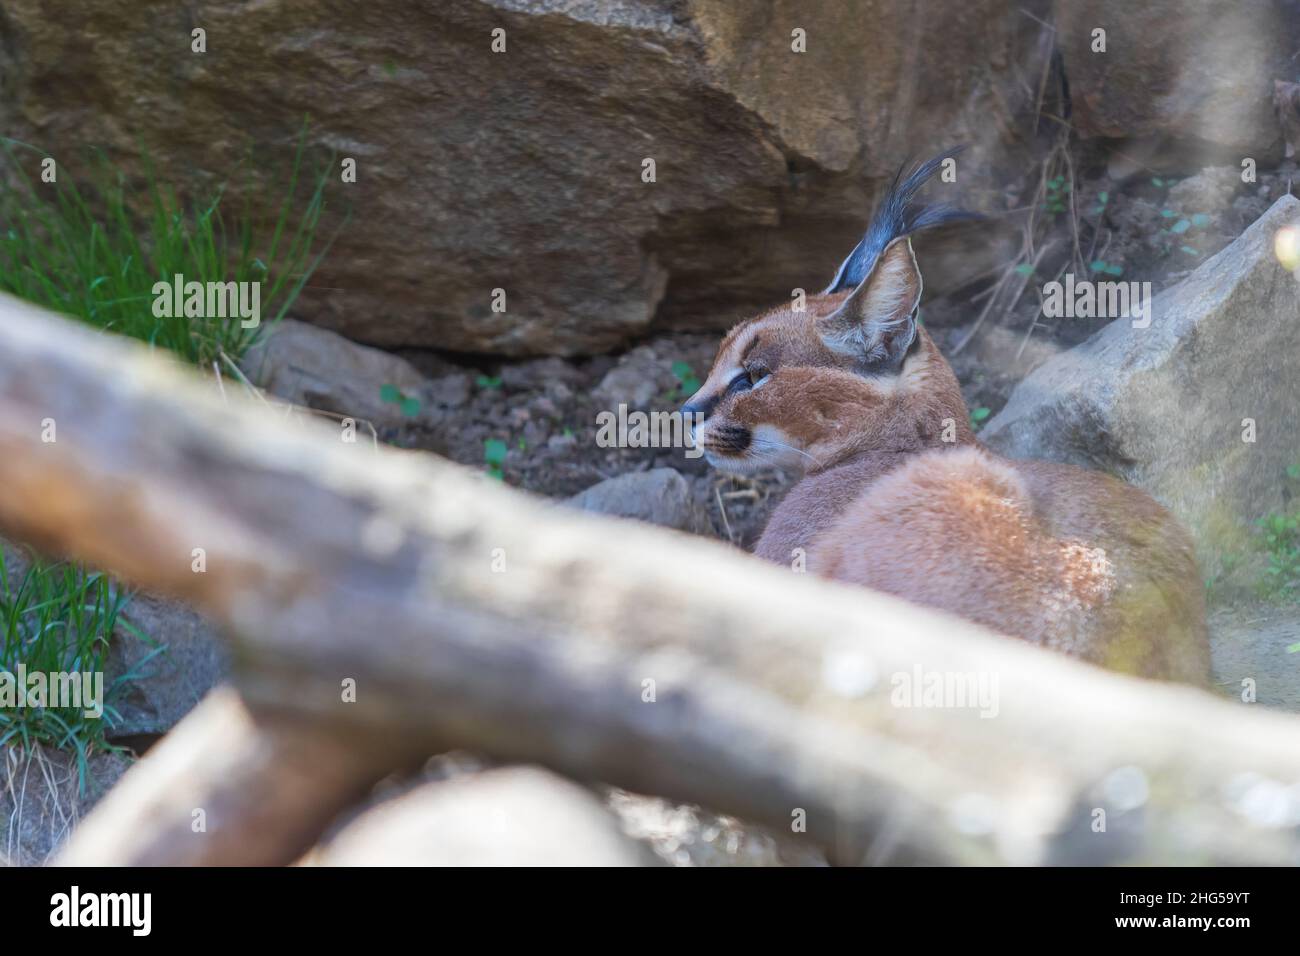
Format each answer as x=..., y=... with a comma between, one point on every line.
x=58, y=618
x=95, y=252
x=1280, y=541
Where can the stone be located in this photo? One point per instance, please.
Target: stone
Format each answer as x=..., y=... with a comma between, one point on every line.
x=309, y=366
x=1007, y=351
x=192, y=661
x=1199, y=409
x=562, y=444
x=512, y=816
x=42, y=798
x=637, y=380
x=1286, y=102
x=522, y=170
x=660, y=496
x=536, y=373
x=1195, y=73
x=448, y=391
x=1209, y=191
x=544, y=407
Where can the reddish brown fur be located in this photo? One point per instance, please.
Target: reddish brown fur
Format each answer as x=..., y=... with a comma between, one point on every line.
x=1059, y=556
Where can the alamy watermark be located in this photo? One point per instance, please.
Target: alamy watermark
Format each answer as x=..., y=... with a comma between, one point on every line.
x=71, y=690
x=953, y=690
x=1086, y=299
x=208, y=300
x=637, y=429
x=133, y=911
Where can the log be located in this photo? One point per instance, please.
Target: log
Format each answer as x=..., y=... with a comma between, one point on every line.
x=473, y=615
x=227, y=787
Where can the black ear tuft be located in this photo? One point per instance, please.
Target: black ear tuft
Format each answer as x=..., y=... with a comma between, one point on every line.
x=876, y=325
x=897, y=215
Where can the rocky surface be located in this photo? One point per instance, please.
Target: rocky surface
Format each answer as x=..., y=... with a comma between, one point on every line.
x=1209, y=191
x=1187, y=79
x=522, y=170
x=42, y=798
x=660, y=496
x=1200, y=410
x=306, y=365
x=183, y=661
x=1257, y=653
x=1170, y=407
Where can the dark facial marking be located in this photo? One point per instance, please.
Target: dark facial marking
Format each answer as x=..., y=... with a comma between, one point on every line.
x=730, y=439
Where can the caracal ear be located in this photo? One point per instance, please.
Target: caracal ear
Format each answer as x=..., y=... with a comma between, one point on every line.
x=877, y=322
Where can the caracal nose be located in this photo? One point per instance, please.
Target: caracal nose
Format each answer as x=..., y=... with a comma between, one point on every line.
x=700, y=405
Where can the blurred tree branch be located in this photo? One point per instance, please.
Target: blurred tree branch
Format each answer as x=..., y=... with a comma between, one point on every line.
x=474, y=616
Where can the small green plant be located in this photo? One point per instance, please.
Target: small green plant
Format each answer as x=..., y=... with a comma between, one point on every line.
x=978, y=416
x=687, y=382
x=1103, y=198
x=1058, y=195
x=1214, y=584
x=1107, y=268
x=1199, y=221
x=489, y=382
x=1280, y=541
x=494, y=453
x=96, y=252
x=392, y=395
x=57, y=618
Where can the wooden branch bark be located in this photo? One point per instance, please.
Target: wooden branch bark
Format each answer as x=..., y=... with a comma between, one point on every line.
x=228, y=787
x=473, y=615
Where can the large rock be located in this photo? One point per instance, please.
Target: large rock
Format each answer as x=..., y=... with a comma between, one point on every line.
x=513, y=816
x=522, y=170
x=659, y=496
x=320, y=369
x=1198, y=73
x=1171, y=407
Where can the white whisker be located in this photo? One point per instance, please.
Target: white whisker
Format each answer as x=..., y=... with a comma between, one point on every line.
x=773, y=443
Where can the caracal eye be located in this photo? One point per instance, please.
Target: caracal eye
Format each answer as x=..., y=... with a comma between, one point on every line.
x=756, y=382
